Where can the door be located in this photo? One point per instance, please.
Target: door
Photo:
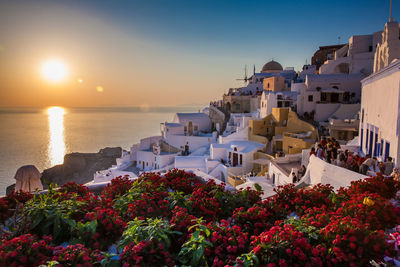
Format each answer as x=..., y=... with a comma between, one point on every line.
x=190, y=126
x=371, y=141
x=235, y=159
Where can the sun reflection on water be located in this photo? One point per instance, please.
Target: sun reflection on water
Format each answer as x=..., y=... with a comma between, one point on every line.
x=56, y=147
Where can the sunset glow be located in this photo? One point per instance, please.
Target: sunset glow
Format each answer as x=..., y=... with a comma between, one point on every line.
x=56, y=146
x=54, y=70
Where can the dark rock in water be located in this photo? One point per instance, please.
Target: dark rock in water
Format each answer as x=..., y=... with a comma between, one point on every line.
x=80, y=167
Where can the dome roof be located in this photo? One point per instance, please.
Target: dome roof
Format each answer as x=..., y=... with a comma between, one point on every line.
x=271, y=66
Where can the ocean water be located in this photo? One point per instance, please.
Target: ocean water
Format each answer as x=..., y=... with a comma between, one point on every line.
x=42, y=136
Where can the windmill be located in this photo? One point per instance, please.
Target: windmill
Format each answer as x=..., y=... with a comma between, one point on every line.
x=245, y=79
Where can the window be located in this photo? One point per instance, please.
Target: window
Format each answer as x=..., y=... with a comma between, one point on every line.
x=335, y=87
x=310, y=98
x=362, y=116
x=185, y=128
x=346, y=96
x=318, y=88
x=267, y=85
x=279, y=104
x=323, y=97
x=241, y=159
x=287, y=104
x=147, y=164
x=387, y=149
x=370, y=48
x=196, y=127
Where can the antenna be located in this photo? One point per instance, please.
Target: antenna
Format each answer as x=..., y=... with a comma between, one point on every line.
x=390, y=12
x=254, y=69
x=245, y=75
x=338, y=42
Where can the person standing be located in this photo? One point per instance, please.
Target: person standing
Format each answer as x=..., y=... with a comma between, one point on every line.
x=389, y=165
x=294, y=177
x=320, y=152
x=367, y=164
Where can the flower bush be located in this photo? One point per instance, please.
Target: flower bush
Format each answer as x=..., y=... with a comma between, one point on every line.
x=76, y=255
x=175, y=219
x=25, y=250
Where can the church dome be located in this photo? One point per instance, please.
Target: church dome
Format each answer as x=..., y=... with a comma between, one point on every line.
x=272, y=66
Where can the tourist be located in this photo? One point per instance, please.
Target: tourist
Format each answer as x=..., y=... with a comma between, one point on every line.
x=396, y=174
x=381, y=167
x=323, y=142
x=389, y=165
x=329, y=153
x=294, y=177
x=313, y=152
x=302, y=171
x=367, y=164
x=320, y=152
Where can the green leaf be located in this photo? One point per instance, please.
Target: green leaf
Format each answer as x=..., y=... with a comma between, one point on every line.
x=258, y=187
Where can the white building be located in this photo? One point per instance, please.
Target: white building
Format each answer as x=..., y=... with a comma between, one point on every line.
x=153, y=153
x=338, y=81
x=193, y=123
x=355, y=57
x=276, y=99
x=323, y=94
x=247, y=98
x=380, y=105
x=189, y=130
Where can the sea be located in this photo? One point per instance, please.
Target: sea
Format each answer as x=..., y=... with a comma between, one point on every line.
x=42, y=136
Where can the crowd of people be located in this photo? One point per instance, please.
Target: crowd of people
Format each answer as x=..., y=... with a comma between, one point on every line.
x=329, y=149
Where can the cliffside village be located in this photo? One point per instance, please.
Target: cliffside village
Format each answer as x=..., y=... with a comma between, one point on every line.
x=336, y=121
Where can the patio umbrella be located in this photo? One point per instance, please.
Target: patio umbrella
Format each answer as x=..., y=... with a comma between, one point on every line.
x=28, y=179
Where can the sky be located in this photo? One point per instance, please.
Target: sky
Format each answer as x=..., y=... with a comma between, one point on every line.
x=163, y=52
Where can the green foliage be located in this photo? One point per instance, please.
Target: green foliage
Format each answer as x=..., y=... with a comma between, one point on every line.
x=51, y=264
x=309, y=231
x=49, y=214
x=83, y=232
x=179, y=199
x=248, y=260
x=147, y=230
x=110, y=260
x=192, y=252
x=258, y=187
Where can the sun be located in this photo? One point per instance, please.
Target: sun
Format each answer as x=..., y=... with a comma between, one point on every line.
x=54, y=70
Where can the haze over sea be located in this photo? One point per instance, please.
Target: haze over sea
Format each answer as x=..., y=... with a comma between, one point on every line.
x=42, y=136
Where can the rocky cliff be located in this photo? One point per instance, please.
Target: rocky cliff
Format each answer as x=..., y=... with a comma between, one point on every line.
x=79, y=167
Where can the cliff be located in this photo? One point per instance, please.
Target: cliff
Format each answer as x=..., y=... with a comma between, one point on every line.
x=79, y=167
